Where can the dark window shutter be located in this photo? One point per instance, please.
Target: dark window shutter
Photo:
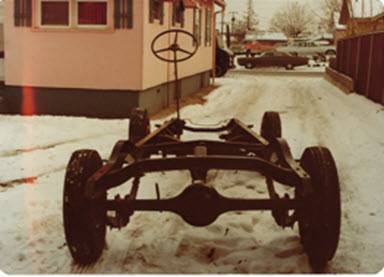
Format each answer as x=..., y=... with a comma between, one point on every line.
x=182, y=11
x=28, y=13
x=117, y=14
x=173, y=13
x=17, y=13
x=151, y=11
x=178, y=11
x=129, y=7
x=156, y=11
x=23, y=13
x=162, y=12
x=123, y=14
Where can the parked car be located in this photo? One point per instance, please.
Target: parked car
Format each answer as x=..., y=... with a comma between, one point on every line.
x=273, y=58
x=314, y=48
x=256, y=43
x=255, y=47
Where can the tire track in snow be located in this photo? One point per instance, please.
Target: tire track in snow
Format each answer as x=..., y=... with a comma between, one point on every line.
x=49, y=161
x=16, y=152
x=330, y=110
x=27, y=180
x=353, y=154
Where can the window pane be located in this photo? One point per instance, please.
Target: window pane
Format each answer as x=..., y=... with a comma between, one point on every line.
x=208, y=28
x=55, y=13
x=92, y=13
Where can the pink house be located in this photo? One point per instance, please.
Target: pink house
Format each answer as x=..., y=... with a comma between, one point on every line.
x=93, y=57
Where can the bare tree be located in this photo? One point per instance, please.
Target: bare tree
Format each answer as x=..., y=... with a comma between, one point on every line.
x=242, y=24
x=247, y=21
x=293, y=19
x=327, y=19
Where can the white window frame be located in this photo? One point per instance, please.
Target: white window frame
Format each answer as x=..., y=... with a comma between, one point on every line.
x=73, y=16
x=40, y=18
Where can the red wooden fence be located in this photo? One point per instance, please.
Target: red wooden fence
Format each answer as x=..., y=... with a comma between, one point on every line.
x=362, y=59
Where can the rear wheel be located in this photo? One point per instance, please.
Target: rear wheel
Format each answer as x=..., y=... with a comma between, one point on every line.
x=139, y=125
x=271, y=126
x=330, y=53
x=84, y=220
x=320, y=218
x=289, y=67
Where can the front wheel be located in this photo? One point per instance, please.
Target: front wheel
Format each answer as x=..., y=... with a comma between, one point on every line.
x=320, y=218
x=84, y=220
x=249, y=65
x=220, y=71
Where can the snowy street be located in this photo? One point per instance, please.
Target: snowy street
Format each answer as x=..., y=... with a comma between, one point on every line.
x=34, y=152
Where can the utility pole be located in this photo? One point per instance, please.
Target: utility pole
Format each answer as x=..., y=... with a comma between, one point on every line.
x=233, y=20
x=250, y=15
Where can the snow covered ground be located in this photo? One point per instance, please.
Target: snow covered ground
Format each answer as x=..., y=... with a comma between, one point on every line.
x=34, y=152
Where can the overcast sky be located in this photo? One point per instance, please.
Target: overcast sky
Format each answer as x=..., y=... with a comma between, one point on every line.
x=265, y=8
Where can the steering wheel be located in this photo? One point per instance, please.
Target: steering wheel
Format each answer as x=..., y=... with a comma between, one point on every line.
x=174, y=47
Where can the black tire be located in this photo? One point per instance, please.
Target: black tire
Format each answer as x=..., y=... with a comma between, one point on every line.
x=223, y=62
x=271, y=126
x=84, y=220
x=320, y=219
x=330, y=53
x=323, y=58
x=249, y=65
x=220, y=71
x=3, y=106
x=139, y=125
